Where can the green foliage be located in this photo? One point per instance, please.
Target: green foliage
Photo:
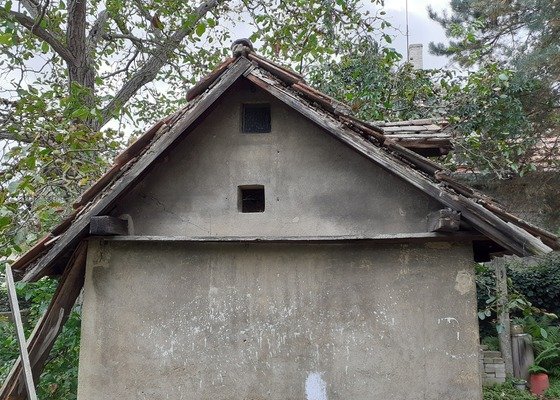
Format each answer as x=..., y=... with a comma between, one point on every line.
x=377, y=86
x=493, y=342
x=545, y=332
x=519, y=36
x=41, y=180
x=539, y=280
x=490, y=122
x=59, y=377
x=547, y=359
x=485, y=107
x=516, y=302
x=554, y=390
x=505, y=391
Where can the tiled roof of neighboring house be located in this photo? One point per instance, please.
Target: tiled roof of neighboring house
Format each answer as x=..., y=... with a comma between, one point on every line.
x=428, y=137
x=382, y=143
x=546, y=153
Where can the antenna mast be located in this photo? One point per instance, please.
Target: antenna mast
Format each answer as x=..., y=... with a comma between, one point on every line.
x=407, y=44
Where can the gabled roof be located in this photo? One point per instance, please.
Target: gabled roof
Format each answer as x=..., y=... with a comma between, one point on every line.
x=367, y=139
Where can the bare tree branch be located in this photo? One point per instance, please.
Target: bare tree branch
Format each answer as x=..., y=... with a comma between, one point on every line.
x=150, y=69
x=41, y=33
x=122, y=70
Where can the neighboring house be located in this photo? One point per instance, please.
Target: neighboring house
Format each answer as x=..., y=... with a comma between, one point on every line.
x=261, y=243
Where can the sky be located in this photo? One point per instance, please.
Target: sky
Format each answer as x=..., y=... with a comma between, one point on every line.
x=421, y=28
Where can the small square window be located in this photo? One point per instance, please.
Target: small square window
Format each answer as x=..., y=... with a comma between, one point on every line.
x=256, y=118
x=251, y=198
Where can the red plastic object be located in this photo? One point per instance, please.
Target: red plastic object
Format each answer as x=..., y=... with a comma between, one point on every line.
x=538, y=383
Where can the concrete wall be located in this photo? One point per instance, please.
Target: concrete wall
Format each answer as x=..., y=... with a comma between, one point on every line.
x=279, y=321
x=314, y=185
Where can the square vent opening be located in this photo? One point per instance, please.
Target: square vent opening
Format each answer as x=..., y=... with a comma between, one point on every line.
x=256, y=118
x=251, y=198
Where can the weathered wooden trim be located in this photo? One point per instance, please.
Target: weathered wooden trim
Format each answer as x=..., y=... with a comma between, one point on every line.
x=99, y=184
x=80, y=227
x=422, y=163
x=208, y=80
x=24, y=355
x=139, y=144
x=445, y=220
x=482, y=219
x=366, y=129
x=32, y=253
x=252, y=56
x=547, y=237
x=366, y=124
x=42, y=339
x=326, y=104
x=105, y=225
x=339, y=104
x=382, y=238
x=287, y=76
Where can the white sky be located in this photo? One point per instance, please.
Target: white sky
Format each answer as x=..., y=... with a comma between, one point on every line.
x=421, y=28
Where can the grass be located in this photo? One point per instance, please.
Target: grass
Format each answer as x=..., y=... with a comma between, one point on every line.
x=553, y=393
x=506, y=391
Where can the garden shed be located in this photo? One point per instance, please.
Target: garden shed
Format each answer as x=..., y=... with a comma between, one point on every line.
x=262, y=243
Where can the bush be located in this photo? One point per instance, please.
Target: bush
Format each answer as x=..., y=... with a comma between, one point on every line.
x=533, y=286
x=59, y=379
x=505, y=391
x=553, y=392
x=539, y=280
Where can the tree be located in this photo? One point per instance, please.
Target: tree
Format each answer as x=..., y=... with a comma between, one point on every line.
x=378, y=86
x=484, y=107
x=520, y=36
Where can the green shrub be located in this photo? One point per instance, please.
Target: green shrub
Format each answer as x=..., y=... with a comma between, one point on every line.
x=505, y=391
x=60, y=375
x=493, y=342
x=539, y=280
x=553, y=391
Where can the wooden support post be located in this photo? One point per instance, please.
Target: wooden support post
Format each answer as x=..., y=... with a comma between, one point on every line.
x=24, y=356
x=105, y=225
x=523, y=357
x=42, y=339
x=445, y=220
x=504, y=334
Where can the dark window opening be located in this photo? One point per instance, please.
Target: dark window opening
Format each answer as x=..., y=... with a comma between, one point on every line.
x=256, y=118
x=251, y=199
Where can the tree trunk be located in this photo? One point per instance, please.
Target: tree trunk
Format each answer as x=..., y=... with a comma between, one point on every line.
x=81, y=71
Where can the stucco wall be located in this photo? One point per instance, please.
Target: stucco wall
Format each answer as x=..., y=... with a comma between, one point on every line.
x=278, y=321
x=314, y=185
